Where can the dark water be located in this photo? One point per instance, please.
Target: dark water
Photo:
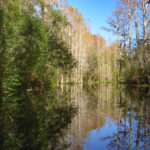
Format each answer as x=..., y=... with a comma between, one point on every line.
x=99, y=117
x=34, y=120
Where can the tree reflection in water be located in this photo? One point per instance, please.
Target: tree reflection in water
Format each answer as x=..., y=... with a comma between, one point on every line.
x=133, y=122
x=111, y=117
x=34, y=121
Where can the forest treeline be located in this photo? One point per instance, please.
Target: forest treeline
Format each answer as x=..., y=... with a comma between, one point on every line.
x=44, y=43
x=127, y=60
x=47, y=42
x=130, y=23
x=32, y=51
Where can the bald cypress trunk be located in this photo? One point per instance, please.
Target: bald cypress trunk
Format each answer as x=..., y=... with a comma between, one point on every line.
x=144, y=11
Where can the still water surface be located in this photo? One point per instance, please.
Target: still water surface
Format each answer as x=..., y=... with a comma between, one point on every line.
x=97, y=117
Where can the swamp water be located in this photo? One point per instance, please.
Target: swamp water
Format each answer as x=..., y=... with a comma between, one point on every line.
x=96, y=117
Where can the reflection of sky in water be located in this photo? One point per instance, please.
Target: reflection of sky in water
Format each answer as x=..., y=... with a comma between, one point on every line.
x=107, y=136
x=111, y=120
x=94, y=140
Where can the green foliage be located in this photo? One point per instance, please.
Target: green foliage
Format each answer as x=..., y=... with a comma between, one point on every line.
x=32, y=54
x=137, y=76
x=137, y=73
x=92, y=73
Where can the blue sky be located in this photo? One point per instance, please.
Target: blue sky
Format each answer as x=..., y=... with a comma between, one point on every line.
x=97, y=11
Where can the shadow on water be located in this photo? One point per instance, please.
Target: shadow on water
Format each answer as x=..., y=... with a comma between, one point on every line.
x=34, y=121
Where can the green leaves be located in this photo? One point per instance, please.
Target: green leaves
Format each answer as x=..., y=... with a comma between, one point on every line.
x=32, y=52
